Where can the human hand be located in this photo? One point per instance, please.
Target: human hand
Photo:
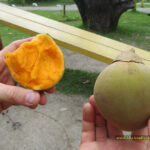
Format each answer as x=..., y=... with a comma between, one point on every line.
x=10, y=94
x=98, y=134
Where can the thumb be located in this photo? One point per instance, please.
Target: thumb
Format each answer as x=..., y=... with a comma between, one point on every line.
x=149, y=126
x=19, y=96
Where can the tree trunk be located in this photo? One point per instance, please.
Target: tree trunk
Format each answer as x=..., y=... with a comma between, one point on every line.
x=102, y=15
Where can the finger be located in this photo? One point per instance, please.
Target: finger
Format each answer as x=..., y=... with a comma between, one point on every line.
x=140, y=132
x=92, y=102
x=43, y=99
x=1, y=109
x=101, y=132
x=148, y=144
x=13, y=46
x=19, y=96
x=5, y=105
x=149, y=126
x=51, y=90
x=88, y=124
x=19, y=42
x=113, y=131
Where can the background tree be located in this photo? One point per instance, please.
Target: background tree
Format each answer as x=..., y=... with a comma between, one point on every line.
x=102, y=15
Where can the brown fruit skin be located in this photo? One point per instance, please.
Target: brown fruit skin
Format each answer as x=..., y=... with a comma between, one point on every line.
x=122, y=94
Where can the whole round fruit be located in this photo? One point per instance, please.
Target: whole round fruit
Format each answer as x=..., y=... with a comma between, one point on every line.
x=122, y=92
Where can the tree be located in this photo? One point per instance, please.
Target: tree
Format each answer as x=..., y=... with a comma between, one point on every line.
x=102, y=15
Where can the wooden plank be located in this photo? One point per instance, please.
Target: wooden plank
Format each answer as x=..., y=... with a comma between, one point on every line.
x=75, y=43
x=78, y=40
x=65, y=28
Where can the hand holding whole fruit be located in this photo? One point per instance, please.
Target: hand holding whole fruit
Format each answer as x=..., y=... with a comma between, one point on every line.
x=100, y=134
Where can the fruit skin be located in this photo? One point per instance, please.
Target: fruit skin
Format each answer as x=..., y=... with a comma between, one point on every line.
x=36, y=65
x=122, y=94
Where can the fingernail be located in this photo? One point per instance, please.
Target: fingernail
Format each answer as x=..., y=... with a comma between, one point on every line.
x=30, y=98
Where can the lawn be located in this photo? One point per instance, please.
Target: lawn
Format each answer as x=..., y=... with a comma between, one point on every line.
x=54, y=2
x=145, y=5
x=133, y=29
x=81, y=82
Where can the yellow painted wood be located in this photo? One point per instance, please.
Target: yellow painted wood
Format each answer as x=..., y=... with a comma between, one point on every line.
x=66, y=40
x=63, y=27
x=90, y=44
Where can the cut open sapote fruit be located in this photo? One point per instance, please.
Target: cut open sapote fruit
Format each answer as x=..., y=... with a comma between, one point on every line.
x=38, y=64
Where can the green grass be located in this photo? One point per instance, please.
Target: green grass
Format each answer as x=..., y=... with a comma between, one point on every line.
x=133, y=29
x=81, y=82
x=145, y=5
x=72, y=17
x=53, y=2
x=9, y=35
x=40, y=3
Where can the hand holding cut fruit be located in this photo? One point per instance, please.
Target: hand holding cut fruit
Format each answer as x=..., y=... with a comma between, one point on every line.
x=10, y=94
